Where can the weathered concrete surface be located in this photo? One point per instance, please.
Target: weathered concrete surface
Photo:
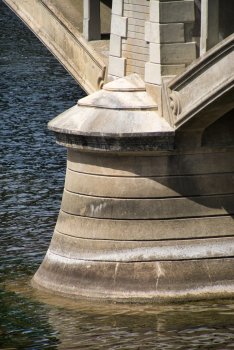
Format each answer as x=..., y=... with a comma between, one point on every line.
x=213, y=160
x=201, y=94
x=141, y=230
x=147, y=211
x=108, y=208
x=136, y=224
x=148, y=187
x=111, y=120
x=59, y=25
x=145, y=281
x=138, y=251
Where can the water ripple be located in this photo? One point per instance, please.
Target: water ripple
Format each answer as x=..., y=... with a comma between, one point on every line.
x=34, y=88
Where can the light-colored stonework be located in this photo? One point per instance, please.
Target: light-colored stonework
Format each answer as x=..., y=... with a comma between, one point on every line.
x=143, y=216
x=147, y=210
x=153, y=39
x=91, y=20
x=60, y=28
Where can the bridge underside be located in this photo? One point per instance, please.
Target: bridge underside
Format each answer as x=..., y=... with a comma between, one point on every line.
x=59, y=26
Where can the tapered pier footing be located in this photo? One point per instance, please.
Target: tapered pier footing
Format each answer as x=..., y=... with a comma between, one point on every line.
x=139, y=220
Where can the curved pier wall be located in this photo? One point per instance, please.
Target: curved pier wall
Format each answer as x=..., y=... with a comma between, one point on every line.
x=144, y=226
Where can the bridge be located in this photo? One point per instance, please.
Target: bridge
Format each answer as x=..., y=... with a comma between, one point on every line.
x=59, y=25
x=98, y=40
x=147, y=210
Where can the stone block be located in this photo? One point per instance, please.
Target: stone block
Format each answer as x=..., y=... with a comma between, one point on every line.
x=136, y=29
x=154, y=11
x=209, y=25
x=86, y=7
x=135, y=43
x=177, y=12
x=137, y=7
x=130, y=69
x=172, y=11
x=115, y=46
x=155, y=92
x=172, y=69
x=136, y=22
x=155, y=53
x=164, y=33
x=180, y=53
x=117, y=66
x=117, y=7
x=136, y=35
x=142, y=15
x=133, y=56
x=154, y=72
x=152, y=33
x=138, y=63
x=111, y=78
x=86, y=28
x=141, y=50
x=172, y=33
x=119, y=26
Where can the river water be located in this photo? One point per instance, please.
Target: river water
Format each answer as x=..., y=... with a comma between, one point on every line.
x=34, y=88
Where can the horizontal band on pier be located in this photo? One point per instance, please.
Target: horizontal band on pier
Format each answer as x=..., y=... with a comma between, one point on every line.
x=149, y=187
x=141, y=230
x=130, y=251
x=132, y=281
x=114, y=208
x=209, y=162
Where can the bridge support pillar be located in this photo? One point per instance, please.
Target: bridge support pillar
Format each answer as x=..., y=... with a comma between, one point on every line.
x=139, y=220
x=209, y=25
x=91, y=21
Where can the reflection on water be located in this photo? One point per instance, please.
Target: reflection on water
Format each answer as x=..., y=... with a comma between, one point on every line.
x=34, y=88
x=81, y=324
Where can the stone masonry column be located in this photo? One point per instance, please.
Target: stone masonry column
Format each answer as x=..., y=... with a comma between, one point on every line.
x=209, y=25
x=117, y=63
x=169, y=51
x=91, y=21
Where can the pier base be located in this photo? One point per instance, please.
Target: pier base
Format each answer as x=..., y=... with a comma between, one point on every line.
x=153, y=227
x=139, y=219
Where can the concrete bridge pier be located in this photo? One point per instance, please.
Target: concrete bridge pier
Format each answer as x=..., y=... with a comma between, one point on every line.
x=148, y=205
x=140, y=220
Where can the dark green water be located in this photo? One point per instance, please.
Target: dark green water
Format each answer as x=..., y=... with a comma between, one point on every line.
x=34, y=88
